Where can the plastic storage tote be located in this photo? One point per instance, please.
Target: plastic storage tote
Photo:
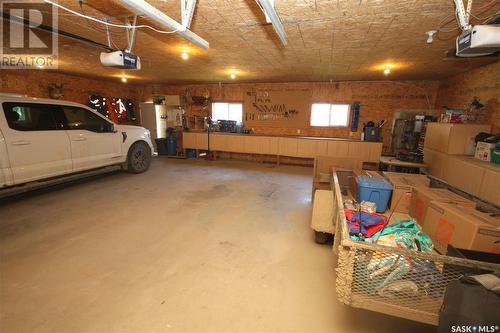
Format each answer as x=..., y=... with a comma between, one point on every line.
x=374, y=189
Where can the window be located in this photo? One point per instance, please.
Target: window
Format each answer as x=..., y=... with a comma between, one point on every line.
x=323, y=114
x=227, y=111
x=31, y=116
x=81, y=119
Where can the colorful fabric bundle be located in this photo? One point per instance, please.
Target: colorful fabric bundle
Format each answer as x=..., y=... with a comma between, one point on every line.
x=364, y=223
x=404, y=234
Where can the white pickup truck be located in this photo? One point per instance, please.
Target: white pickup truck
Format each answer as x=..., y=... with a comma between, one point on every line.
x=44, y=139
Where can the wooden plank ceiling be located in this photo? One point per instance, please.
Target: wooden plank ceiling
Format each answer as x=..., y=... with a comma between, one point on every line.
x=328, y=40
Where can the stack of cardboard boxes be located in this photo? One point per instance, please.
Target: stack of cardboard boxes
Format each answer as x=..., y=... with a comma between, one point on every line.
x=449, y=153
x=449, y=150
x=448, y=218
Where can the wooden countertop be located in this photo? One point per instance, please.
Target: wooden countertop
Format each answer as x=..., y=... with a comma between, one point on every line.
x=285, y=136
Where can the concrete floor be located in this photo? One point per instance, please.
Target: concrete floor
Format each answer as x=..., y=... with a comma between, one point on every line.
x=188, y=246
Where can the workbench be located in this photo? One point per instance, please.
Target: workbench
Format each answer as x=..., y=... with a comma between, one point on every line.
x=352, y=153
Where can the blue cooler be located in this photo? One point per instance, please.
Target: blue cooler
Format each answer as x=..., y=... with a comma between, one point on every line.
x=374, y=189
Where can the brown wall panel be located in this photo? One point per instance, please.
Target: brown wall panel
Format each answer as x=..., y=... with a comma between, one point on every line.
x=483, y=82
x=378, y=100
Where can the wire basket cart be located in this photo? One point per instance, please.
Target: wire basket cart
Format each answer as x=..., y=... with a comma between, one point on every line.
x=394, y=281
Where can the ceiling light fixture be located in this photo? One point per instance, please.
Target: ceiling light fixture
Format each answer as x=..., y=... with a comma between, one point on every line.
x=124, y=79
x=233, y=76
x=387, y=70
x=184, y=55
x=430, y=36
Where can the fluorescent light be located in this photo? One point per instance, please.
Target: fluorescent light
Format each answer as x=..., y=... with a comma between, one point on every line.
x=271, y=13
x=268, y=20
x=187, y=11
x=165, y=21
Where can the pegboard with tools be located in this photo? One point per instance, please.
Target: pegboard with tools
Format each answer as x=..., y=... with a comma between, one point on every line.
x=284, y=108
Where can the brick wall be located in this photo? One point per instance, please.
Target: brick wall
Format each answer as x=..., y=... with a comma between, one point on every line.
x=483, y=82
x=378, y=100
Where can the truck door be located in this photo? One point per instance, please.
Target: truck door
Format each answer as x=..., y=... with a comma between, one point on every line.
x=38, y=147
x=94, y=142
x=5, y=172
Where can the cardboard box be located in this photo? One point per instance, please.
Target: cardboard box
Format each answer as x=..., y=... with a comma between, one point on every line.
x=483, y=151
x=463, y=172
x=421, y=198
x=402, y=186
x=466, y=173
x=463, y=227
x=451, y=138
x=489, y=187
x=435, y=161
x=353, y=185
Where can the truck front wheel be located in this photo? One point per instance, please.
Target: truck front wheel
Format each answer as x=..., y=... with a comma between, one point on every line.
x=139, y=157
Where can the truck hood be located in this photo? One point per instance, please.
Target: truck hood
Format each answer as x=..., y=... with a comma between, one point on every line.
x=128, y=127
